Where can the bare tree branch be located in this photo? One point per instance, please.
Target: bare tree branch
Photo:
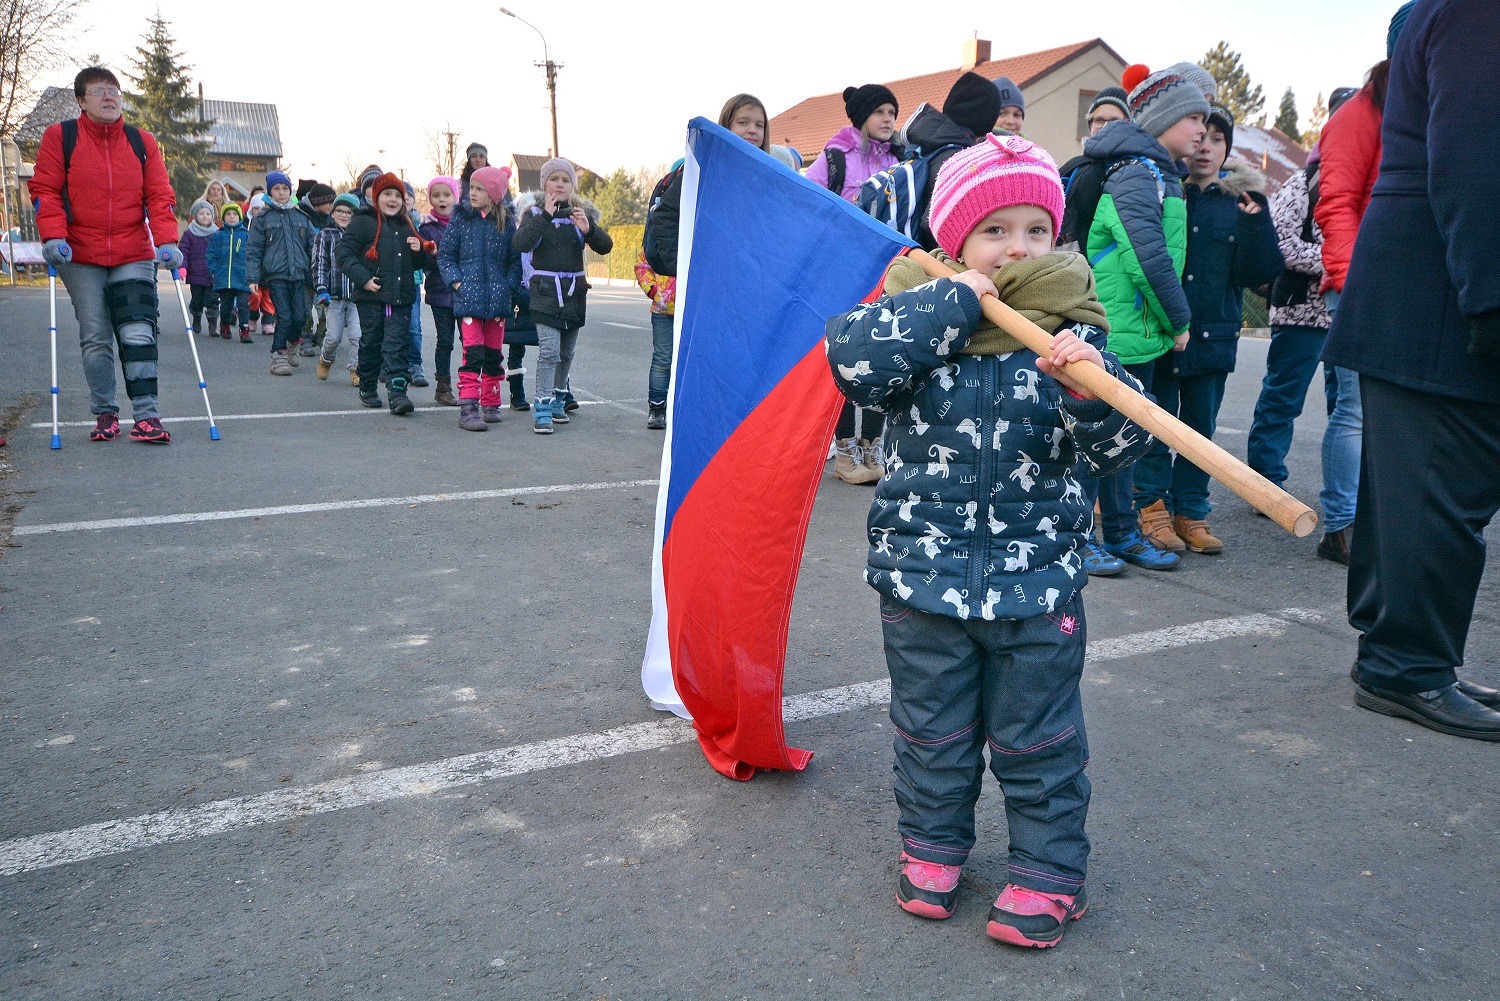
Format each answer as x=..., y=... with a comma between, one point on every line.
x=34, y=37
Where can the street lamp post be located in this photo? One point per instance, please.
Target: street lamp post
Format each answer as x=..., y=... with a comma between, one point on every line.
x=551, y=68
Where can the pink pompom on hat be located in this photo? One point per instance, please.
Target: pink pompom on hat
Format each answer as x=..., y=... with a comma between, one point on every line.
x=997, y=173
x=451, y=184
x=494, y=180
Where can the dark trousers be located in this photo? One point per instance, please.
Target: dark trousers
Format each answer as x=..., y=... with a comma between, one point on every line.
x=202, y=297
x=445, y=324
x=234, y=300
x=291, y=312
x=1117, y=491
x=385, y=342
x=1290, y=363
x=857, y=422
x=959, y=684
x=1161, y=475
x=515, y=359
x=1429, y=483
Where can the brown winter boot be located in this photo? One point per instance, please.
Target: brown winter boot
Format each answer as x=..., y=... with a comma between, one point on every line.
x=871, y=457
x=1335, y=546
x=848, y=463
x=1156, y=525
x=444, y=394
x=1196, y=536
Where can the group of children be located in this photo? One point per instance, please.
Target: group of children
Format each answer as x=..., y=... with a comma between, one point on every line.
x=362, y=260
x=991, y=455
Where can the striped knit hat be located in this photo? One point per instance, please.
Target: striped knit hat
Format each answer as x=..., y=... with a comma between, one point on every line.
x=997, y=173
x=1163, y=99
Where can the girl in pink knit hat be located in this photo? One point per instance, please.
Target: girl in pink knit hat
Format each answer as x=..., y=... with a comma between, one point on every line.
x=977, y=531
x=479, y=264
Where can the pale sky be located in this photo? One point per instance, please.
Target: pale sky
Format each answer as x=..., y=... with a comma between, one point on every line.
x=351, y=79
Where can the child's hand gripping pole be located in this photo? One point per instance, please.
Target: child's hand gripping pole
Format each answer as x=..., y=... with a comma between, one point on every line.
x=1272, y=501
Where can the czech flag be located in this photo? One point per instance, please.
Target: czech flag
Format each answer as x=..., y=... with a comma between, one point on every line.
x=764, y=258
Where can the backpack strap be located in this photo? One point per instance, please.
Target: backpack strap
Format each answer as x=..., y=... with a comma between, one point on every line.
x=837, y=169
x=70, y=143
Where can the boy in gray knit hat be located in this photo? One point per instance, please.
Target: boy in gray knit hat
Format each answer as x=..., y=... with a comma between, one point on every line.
x=1137, y=245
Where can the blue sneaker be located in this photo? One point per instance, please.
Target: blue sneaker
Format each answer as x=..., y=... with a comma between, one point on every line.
x=559, y=410
x=543, y=415
x=1137, y=550
x=1099, y=562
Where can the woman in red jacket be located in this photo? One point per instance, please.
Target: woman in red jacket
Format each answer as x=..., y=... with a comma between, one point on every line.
x=106, y=214
x=1350, y=148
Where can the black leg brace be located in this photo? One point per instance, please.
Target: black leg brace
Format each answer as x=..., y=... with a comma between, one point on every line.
x=129, y=302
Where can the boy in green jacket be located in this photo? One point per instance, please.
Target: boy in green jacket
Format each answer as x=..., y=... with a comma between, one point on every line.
x=1137, y=246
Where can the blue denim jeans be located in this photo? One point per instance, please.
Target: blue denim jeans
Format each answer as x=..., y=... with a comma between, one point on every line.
x=1161, y=475
x=661, y=358
x=1117, y=491
x=957, y=685
x=1341, y=447
x=291, y=311
x=1290, y=364
x=415, y=327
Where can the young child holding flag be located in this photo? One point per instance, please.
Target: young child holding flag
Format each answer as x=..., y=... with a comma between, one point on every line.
x=977, y=531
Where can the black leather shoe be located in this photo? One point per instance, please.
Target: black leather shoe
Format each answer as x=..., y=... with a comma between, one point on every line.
x=1479, y=693
x=1446, y=710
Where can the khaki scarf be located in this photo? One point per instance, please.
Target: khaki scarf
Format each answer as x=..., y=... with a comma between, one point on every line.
x=1051, y=291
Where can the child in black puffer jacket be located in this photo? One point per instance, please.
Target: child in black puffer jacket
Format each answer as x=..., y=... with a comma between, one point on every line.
x=977, y=531
x=555, y=226
x=379, y=255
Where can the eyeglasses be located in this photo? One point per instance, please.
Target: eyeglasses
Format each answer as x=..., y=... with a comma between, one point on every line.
x=1100, y=120
x=103, y=92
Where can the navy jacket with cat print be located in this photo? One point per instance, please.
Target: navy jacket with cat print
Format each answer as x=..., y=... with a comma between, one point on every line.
x=981, y=513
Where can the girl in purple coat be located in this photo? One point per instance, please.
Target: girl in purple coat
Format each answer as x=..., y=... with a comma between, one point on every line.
x=857, y=151
x=194, y=247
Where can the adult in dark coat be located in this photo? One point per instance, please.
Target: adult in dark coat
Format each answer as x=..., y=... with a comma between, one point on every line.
x=1419, y=319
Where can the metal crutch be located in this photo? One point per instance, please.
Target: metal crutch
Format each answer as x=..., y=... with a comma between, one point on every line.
x=187, y=321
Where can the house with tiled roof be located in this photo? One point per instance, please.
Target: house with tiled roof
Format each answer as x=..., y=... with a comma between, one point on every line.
x=246, y=137
x=1059, y=85
x=526, y=170
x=1271, y=150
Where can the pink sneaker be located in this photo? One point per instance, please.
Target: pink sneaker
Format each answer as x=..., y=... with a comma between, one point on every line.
x=927, y=889
x=1026, y=917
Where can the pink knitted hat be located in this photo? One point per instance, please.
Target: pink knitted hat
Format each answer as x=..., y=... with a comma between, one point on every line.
x=451, y=184
x=494, y=180
x=999, y=172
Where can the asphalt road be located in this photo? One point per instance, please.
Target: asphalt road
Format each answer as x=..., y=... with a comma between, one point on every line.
x=284, y=696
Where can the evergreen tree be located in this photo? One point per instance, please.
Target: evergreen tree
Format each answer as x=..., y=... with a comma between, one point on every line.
x=1236, y=93
x=165, y=106
x=1286, y=117
x=1316, y=122
x=621, y=200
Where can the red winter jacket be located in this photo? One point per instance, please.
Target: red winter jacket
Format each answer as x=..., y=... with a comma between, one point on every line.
x=1350, y=148
x=105, y=185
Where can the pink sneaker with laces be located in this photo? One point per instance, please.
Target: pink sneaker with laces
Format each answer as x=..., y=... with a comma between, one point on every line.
x=927, y=889
x=1026, y=917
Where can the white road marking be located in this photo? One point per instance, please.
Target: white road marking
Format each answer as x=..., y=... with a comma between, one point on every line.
x=345, y=505
x=113, y=837
x=631, y=326
x=296, y=413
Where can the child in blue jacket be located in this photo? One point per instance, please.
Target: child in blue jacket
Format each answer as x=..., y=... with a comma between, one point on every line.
x=483, y=270
x=226, y=262
x=977, y=533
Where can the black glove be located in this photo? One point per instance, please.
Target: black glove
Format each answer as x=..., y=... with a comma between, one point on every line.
x=1484, y=340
